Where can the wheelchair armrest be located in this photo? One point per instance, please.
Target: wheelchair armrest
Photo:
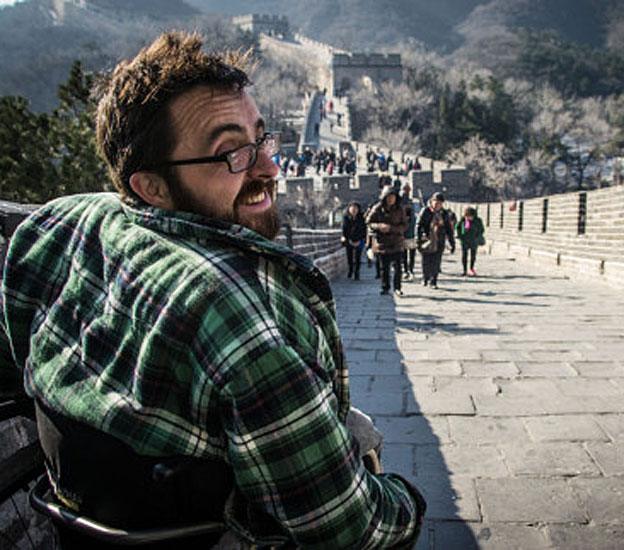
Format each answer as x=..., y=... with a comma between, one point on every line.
x=42, y=500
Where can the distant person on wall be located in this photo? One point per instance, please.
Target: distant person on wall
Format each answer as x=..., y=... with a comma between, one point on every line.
x=353, y=237
x=433, y=230
x=409, y=243
x=388, y=220
x=470, y=232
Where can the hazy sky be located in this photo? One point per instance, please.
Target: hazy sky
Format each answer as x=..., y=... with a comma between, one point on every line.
x=7, y=2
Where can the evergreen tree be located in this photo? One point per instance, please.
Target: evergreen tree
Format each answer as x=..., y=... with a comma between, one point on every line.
x=44, y=156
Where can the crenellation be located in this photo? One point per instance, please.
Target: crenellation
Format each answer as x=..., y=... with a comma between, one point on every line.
x=598, y=253
x=256, y=23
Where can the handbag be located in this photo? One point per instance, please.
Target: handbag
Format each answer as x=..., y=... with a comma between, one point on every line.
x=427, y=246
x=480, y=240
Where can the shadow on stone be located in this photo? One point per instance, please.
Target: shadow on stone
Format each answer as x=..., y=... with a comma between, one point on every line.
x=381, y=388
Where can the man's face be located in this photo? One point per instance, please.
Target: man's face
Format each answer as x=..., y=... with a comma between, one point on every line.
x=207, y=122
x=437, y=205
x=391, y=199
x=353, y=210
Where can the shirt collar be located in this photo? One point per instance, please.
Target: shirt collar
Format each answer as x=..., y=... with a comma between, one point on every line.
x=206, y=230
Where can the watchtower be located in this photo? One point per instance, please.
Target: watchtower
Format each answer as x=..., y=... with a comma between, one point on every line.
x=272, y=25
x=353, y=70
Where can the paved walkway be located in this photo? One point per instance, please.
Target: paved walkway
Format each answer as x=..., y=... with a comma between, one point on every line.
x=501, y=397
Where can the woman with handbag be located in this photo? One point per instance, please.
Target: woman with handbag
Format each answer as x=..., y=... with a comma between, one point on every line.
x=470, y=232
x=433, y=230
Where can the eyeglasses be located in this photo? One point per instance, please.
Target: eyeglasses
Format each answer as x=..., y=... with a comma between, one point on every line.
x=238, y=160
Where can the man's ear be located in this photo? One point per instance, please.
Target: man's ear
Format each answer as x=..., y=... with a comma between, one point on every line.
x=152, y=188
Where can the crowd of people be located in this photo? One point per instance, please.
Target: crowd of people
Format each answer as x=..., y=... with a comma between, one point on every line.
x=323, y=161
x=396, y=226
x=378, y=161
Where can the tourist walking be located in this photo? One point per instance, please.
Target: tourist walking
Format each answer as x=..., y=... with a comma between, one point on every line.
x=470, y=231
x=433, y=229
x=353, y=237
x=388, y=221
x=409, y=243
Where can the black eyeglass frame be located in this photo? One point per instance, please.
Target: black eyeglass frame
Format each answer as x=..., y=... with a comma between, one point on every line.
x=227, y=156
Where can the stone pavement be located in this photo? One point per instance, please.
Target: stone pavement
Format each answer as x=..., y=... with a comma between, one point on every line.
x=501, y=397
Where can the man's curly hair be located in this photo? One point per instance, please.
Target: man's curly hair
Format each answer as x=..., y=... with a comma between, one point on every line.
x=133, y=127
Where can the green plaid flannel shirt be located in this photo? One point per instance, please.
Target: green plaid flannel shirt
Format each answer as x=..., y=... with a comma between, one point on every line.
x=182, y=336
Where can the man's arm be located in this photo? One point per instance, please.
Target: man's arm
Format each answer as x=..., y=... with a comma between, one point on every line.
x=293, y=459
x=375, y=220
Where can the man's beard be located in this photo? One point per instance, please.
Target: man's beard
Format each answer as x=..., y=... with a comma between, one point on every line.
x=266, y=223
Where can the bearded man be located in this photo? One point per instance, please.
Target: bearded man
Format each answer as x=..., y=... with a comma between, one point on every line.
x=184, y=366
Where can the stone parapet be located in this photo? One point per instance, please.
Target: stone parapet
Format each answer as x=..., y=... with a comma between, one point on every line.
x=580, y=234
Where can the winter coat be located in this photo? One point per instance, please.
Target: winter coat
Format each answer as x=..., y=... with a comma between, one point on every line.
x=470, y=238
x=381, y=213
x=424, y=225
x=408, y=205
x=353, y=229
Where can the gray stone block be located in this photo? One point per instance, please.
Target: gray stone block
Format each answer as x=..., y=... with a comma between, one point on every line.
x=450, y=498
x=460, y=460
x=439, y=402
x=609, y=456
x=613, y=424
x=528, y=500
x=502, y=405
x=602, y=498
x=416, y=430
x=398, y=459
x=589, y=387
x=502, y=536
x=487, y=431
x=585, y=537
x=565, y=428
x=501, y=369
x=543, y=369
x=432, y=368
x=548, y=459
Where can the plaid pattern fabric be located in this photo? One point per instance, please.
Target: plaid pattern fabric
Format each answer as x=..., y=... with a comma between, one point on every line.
x=182, y=336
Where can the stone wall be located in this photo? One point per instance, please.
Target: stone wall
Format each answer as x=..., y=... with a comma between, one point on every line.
x=321, y=246
x=578, y=234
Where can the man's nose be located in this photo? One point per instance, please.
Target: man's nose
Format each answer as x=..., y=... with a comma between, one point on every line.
x=264, y=167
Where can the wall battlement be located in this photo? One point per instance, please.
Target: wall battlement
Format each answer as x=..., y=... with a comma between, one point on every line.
x=580, y=234
x=257, y=23
x=366, y=60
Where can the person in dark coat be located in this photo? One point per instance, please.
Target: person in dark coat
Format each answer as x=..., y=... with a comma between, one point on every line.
x=470, y=232
x=388, y=221
x=433, y=230
x=353, y=237
x=409, y=245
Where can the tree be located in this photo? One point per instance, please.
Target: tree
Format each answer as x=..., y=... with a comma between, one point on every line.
x=44, y=156
x=490, y=169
